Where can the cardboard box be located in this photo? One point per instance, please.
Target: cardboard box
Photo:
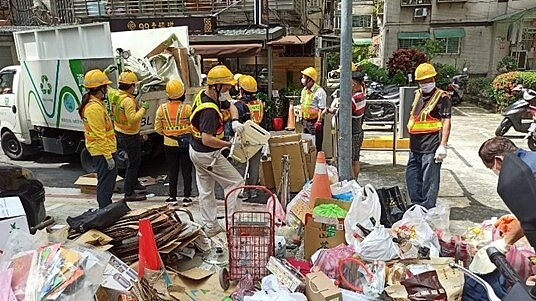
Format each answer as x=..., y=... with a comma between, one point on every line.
x=318, y=287
x=88, y=183
x=12, y=217
x=309, y=152
x=323, y=235
x=288, y=145
x=286, y=274
x=267, y=174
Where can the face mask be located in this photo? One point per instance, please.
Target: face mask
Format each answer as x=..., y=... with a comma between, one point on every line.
x=224, y=96
x=303, y=81
x=428, y=87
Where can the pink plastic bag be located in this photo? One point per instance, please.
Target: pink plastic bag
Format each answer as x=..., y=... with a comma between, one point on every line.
x=328, y=260
x=518, y=257
x=280, y=215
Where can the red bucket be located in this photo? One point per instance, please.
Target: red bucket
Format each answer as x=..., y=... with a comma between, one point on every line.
x=277, y=123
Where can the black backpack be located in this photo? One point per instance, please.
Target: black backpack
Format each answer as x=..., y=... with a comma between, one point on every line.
x=98, y=219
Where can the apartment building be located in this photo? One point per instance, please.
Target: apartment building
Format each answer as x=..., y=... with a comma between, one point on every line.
x=364, y=21
x=474, y=33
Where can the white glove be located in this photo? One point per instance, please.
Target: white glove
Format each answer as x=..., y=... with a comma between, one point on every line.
x=500, y=245
x=440, y=154
x=237, y=127
x=111, y=163
x=481, y=263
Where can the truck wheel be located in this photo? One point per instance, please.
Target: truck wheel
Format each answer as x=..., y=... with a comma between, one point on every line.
x=12, y=146
x=86, y=160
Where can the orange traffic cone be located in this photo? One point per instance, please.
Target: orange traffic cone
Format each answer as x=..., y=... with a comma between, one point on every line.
x=321, y=187
x=148, y=253
x=291, y=122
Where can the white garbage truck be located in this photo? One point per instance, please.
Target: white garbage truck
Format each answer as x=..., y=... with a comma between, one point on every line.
x=39, y=98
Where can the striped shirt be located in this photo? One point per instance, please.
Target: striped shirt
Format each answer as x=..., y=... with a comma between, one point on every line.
x=358, y=105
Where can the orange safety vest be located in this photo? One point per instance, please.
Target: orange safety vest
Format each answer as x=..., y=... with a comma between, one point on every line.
x=256, y=110
x=308, y=112
x=180, y=124
x=120, y=118
x=198, y=106
x=422, y=122
x=89, y=135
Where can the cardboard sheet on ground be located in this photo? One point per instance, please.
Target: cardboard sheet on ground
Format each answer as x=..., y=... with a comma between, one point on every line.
x=147, y=181
x=12, y=217
x=207, y=289
x=94, y=237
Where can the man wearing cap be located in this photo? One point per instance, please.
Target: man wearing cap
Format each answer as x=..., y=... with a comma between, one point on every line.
x=313, y=102
x=127, y=124
x=429, y=128
x=207, y=143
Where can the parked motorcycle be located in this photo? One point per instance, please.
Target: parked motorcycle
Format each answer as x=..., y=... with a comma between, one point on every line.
x=377, y=112
x=518, y=112
x=456, y=87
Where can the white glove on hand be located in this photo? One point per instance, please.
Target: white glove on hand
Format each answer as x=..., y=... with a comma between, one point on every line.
x=111, y=163
x=440, y=154
x=237, y=127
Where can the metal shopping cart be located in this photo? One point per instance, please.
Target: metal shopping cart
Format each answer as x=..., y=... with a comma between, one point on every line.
x=250, y=240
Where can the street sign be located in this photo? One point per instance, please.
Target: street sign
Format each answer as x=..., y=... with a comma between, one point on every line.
x=196, y=25
x=261, y=12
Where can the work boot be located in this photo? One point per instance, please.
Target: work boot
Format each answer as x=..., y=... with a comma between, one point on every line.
x=171, y=200
x=134, y=197
x=140, y=188
x=212, y=231
x=186, y=202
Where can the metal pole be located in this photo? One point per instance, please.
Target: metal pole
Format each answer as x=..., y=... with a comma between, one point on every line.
x=345, y=107
x=269, y=54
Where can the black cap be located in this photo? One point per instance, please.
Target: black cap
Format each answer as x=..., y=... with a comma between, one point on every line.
x=357, y=76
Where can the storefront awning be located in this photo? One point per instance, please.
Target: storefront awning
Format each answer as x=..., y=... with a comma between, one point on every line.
x=293, y=40
x=362, y=41
x=413, y=35
x=449, y=33
x=227, y=50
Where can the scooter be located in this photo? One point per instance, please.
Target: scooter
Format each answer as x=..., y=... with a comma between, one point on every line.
x=456, y=87
x=516, y=113
x=375, y=112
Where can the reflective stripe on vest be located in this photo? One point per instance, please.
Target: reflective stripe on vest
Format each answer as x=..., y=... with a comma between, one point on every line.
x=308, y=111
x=120, y=118
x=422, y=122
x=108, y=127
x=198, y=106
x=177, y=126
x=255, y=111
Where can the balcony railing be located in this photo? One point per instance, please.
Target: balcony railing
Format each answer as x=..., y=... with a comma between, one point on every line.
x=451, y=1
x=415, y=2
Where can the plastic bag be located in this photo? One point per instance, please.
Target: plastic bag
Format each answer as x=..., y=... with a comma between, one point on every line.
x=378, y=245
x=439, y=218
x=304, y=195
x=245, y=287
x=333, y=174
x=346, y=190
x=416, y=212
x=518, y=257
x=363, y=278
x=419, y=234
x=280, y=215
x=328, y=260
x=364, y=213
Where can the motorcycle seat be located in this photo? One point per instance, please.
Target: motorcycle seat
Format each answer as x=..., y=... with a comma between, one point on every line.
x=529, y=94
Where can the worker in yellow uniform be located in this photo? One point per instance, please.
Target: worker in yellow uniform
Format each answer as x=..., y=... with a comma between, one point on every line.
x=207, y=144
x=429, y=130
x=127, y=123
x=173, y=122
x=99, y=134
x=250, y=108
x=313, y=102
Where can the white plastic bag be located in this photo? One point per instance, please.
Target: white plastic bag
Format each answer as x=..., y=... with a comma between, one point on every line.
x=378, y=245
x=346, y=190
x=422, y=234
x=415, y=212
x=365, y=211
x=439, y=218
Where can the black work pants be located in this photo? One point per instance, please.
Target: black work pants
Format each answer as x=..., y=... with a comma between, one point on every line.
x=105, y=181
x=309, y=128
x=178, y=158
x=131, y=144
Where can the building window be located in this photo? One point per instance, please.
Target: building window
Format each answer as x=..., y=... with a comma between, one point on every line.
x=451, y=45
x=363, y=21
x=410, y=43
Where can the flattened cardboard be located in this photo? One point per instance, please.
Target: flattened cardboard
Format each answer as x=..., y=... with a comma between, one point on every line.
x=88, y=183
x=267, y=173
x=318, y=287
x=288, y=145
x=300, y=209
x=12, y=217
x=94, y=237
x=196, y=273
x=323, y=236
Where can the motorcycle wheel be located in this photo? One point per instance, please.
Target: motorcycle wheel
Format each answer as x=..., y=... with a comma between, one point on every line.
x=531, y=143
x=456, y=100
x=505, y=125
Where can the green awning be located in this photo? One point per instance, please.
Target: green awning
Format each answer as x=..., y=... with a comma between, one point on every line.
x=422, y=35
x=363, y=41
x=449, y=33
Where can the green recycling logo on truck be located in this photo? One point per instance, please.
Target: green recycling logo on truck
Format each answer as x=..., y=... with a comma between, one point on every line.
x=66, y=96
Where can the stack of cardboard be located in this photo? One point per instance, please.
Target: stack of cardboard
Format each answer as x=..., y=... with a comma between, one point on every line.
x=170, y=233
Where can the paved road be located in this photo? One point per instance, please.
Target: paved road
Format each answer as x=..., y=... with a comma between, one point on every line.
x=467, y=186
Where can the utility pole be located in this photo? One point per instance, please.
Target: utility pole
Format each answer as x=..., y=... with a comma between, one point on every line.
x=345, y=106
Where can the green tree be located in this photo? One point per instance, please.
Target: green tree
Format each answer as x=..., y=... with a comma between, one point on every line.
x=432, y=48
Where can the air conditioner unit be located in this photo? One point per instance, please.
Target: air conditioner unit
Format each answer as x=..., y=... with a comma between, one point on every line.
x=420, y=12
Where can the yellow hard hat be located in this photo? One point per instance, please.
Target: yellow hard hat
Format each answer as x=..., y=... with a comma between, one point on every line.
x=174, y=89
x=237, y=76
x=424, y=71
x=248, y=83
x=310, y=72
x=220, y=75
x=95, y=78
x=128, y=77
